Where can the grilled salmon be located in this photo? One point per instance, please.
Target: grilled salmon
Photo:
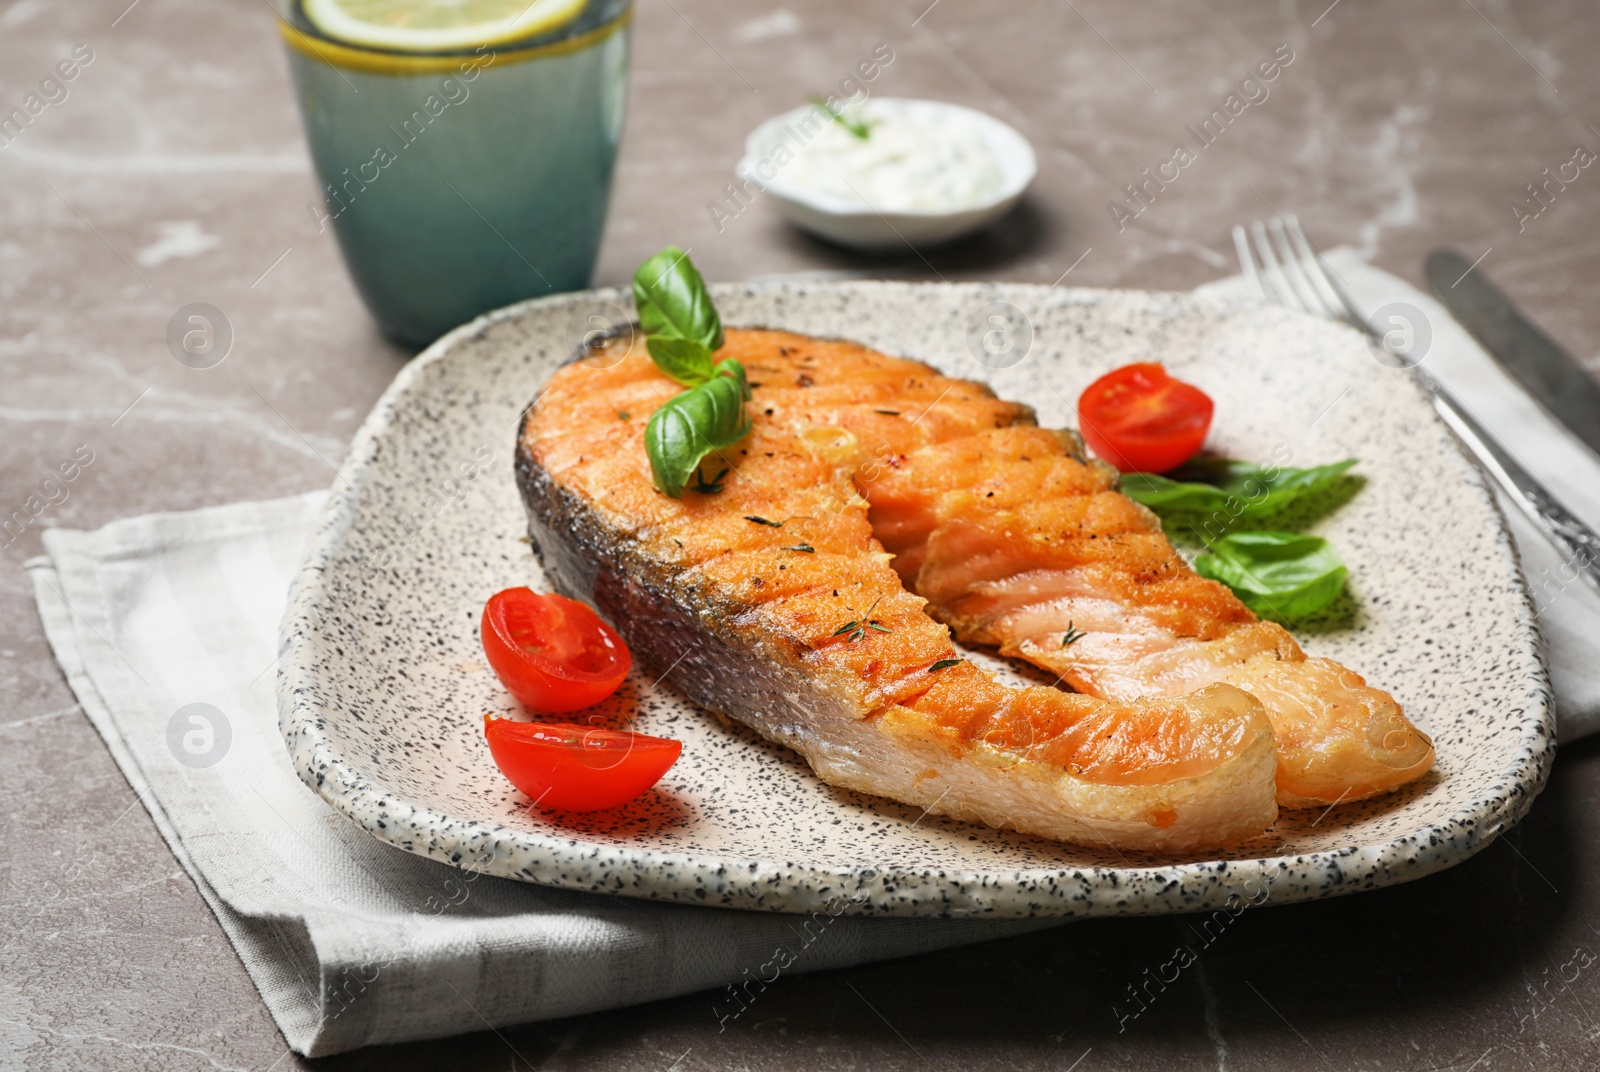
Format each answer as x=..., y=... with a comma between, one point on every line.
x=1017, y=541
x=811, y=591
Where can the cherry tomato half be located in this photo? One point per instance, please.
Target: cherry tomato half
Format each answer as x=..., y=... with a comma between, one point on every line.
x=552, y=653
x=571, y=767
x=1143, y=421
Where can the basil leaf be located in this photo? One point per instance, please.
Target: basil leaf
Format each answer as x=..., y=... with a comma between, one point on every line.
x=673, y=302
x=693, y=424
x=1266, y=491
x=1279, y=575
x=1163, y=494
x=1254, y=491
x=685, y=360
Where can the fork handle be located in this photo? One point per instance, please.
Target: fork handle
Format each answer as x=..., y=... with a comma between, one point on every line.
x=1579, y=544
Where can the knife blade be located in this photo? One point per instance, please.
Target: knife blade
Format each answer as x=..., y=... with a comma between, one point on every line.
x=1545, y=370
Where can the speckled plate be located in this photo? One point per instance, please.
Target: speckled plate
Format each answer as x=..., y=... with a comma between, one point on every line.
x=383, y=685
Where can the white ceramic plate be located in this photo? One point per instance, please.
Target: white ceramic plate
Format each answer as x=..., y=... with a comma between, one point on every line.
x=383, y=684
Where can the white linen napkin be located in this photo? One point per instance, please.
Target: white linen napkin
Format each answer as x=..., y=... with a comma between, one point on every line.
x=1568, y=607
x=350, y=941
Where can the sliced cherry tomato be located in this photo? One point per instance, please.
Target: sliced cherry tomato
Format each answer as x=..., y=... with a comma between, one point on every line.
x=572, y=767
x=1143, y=421
x=552, y=653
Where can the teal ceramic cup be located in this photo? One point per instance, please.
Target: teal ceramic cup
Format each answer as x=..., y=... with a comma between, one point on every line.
x=457, y=182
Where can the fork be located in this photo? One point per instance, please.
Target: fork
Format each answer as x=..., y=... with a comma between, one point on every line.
x=1293, y=274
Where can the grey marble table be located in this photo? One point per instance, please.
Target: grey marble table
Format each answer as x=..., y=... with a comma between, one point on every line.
x=174, y=171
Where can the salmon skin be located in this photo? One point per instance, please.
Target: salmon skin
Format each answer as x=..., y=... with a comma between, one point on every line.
x=779, y=599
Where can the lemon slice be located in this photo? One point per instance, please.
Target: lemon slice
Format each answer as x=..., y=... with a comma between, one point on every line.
x=438, y=25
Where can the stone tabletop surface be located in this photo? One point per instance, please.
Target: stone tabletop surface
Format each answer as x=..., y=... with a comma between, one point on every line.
x=174, y=171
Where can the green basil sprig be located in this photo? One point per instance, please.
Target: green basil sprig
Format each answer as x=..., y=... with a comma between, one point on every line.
x=682, y=328
x=682, y=332
x=691, y=425
x=1237, y=488
x=1279, y=575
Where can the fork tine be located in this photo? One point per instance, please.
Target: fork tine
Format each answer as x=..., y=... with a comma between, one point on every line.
x=1315, y=271
x=1343, y=307
x=1273, y=273
x=1292, y=269
x=1247, y=262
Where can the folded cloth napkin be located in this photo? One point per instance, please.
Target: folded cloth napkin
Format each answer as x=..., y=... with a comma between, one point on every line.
x=350, y=941
x=1568, y=607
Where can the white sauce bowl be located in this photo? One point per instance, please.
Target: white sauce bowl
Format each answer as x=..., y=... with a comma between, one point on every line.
x=851, y=218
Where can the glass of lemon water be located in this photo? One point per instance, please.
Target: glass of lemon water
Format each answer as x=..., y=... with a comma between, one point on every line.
x=465, y=147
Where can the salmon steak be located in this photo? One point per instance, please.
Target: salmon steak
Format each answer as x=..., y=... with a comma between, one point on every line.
x=877, y=506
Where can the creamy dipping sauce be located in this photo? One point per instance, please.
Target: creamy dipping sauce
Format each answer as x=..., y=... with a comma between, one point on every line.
x=915, y=159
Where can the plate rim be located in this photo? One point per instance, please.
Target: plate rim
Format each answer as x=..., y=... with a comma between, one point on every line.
x=890, y=890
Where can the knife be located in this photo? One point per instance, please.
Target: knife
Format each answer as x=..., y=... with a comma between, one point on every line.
x=1539, y=364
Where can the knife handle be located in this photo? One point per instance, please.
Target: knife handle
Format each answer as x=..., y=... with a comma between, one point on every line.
x=1578, y=543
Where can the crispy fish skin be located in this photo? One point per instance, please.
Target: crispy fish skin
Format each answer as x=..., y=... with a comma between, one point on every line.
x=748, y=625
